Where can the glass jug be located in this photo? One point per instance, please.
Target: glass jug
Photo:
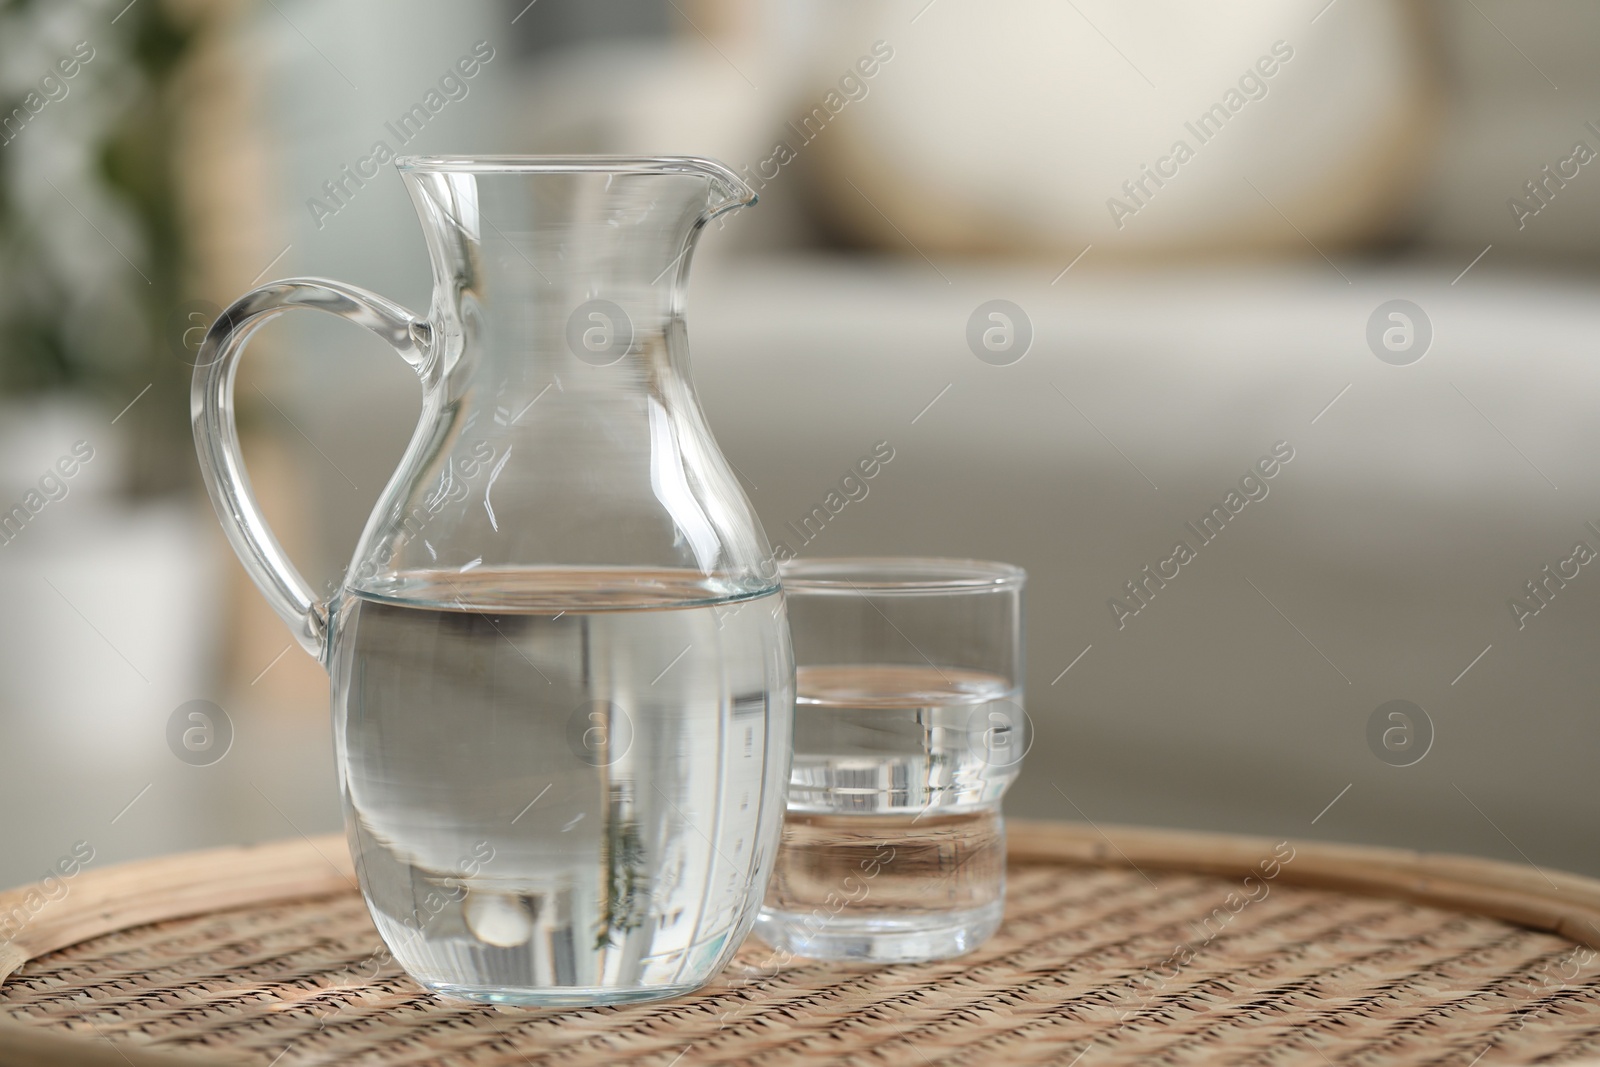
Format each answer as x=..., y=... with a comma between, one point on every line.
x=562, y=676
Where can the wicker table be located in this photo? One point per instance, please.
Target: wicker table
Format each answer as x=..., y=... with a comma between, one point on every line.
x=1119, y=946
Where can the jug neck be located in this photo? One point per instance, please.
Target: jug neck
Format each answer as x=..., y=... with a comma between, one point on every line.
x=575, y=262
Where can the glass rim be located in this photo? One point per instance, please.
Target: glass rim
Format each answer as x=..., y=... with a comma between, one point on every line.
x=899, y=575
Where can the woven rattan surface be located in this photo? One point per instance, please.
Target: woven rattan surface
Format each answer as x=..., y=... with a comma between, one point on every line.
x=1134, y=966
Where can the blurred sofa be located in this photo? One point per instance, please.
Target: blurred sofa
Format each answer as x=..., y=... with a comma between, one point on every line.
x=1379, y=565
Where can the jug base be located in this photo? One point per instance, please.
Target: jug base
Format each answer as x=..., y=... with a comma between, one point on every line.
x=556, y=996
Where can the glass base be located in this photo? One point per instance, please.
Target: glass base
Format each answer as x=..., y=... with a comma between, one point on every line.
x=556, y=996
x=882, y=938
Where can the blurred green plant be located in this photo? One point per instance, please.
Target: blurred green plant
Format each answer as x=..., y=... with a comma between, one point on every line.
x=93, y=251
x=625, y=905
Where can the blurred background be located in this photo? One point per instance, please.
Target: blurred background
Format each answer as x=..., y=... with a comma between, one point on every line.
x=1199, y=219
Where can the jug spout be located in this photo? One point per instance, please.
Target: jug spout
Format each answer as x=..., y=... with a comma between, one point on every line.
x=733, y=190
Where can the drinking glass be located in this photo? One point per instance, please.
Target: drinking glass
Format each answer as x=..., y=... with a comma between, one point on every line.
x=909, y=727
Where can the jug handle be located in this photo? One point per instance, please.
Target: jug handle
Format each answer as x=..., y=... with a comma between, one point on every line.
x=216, y=435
